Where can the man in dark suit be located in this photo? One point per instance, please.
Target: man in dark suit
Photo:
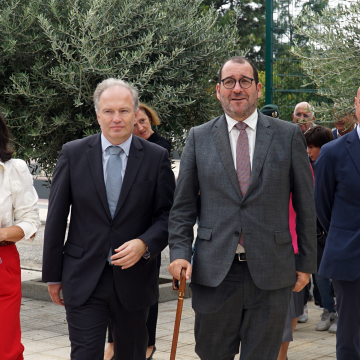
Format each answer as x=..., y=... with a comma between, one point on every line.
x=337, y=199
x=245, y=165
x=120, y=190
x=344, y=125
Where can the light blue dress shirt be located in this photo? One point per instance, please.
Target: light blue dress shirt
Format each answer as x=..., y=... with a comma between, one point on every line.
x=105, y=143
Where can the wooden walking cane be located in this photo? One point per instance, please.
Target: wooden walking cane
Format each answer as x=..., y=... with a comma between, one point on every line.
x=178, y=310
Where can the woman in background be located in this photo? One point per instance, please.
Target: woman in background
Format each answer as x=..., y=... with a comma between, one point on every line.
x=145, y=118
x=296, y=305
x=19, y=219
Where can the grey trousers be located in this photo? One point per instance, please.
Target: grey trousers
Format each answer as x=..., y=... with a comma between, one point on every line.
x=238, y=312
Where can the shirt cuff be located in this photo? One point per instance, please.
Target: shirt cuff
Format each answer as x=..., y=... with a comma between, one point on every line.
x=28, y=229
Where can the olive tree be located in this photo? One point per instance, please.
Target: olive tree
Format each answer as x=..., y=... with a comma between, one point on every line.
x=54, y=53
x=332, y=56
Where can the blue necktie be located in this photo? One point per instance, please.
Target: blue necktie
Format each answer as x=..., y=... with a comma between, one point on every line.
x=113, y=181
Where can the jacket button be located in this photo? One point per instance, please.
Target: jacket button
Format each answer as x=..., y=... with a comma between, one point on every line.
x=105, y=255
x=236, y=233
x=112, y=228
x=242, y=207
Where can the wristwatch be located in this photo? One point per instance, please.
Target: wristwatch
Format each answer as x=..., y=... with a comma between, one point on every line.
x=146, y=256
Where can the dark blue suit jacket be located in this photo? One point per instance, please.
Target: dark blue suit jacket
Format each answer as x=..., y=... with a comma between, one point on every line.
x=337, y=200
x=335, y=133
x=142, y=212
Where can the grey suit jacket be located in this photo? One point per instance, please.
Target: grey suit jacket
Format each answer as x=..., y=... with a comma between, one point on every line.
x=280, y=167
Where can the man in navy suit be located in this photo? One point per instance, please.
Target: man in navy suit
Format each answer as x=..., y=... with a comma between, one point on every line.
x=337, y=199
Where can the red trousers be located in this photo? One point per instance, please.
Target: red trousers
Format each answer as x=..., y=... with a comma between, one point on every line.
x=10, y=302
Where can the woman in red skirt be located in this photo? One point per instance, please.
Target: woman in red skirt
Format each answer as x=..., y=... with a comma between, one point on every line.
x=19, y=219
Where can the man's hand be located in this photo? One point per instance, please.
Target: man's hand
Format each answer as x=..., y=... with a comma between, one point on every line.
x=176, y=266
x=302, y=279
x=54, y=291
x=129, y=253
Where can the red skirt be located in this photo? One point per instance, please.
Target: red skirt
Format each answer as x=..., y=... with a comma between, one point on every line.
x=10, y=302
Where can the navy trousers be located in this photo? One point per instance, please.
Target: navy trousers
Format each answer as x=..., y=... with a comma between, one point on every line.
x=88, y=323
x=348, y=327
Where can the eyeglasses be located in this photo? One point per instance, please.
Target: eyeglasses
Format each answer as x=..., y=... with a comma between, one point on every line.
x=230, y=83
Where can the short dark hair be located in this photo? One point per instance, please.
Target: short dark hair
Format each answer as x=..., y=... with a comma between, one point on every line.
x=318, y=136
x=5, y=152
x=241, y=60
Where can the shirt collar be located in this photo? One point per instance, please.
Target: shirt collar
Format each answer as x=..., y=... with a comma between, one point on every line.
x=358, y=129
x=105, y=143
x=311, y=125
x=251, y=121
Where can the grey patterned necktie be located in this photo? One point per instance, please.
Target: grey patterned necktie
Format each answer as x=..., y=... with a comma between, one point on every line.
x=113, y=181
x=113, y=178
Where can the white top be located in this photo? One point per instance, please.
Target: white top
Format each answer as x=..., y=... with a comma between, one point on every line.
x=105, y=143
x=251, y=123
x=18, y=198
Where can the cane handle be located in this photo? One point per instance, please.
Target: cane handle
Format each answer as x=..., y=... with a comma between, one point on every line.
x=175, y=282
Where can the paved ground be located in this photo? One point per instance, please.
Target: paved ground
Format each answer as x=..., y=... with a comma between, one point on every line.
x=45, y=335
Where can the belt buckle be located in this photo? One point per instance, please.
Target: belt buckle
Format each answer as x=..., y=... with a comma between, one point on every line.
x=240, y=258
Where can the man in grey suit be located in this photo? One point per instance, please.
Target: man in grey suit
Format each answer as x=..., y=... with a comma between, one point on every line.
x=245, y=165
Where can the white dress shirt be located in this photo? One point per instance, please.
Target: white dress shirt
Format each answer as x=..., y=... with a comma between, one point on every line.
x=251, y=123
x=18, y=198
x=358, y=129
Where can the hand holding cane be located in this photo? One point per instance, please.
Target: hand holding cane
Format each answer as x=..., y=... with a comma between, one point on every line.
x=178, y=310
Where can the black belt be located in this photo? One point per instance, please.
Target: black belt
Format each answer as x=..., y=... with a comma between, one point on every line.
x=240, y=257
x=6, y=243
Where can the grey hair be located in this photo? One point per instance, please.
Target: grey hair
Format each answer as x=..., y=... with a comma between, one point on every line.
x=107, y=83
x=310, y=108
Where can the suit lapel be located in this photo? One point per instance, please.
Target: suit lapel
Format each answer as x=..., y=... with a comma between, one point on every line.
x=262, y=143
x=354, y=148
x=222, y=143
x=94, y=155
x=134, y=162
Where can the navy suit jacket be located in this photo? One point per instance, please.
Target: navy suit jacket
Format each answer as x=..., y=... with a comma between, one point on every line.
x=337, y=200
x=335, y=133
x=142, y=212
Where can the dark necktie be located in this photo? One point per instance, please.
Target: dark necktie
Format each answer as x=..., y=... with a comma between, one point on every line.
x=243, y=169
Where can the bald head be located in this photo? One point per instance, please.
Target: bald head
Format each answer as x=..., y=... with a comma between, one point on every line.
x=303, y=116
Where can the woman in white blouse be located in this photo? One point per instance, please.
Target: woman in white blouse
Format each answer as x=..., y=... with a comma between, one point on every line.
x=19, y=219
